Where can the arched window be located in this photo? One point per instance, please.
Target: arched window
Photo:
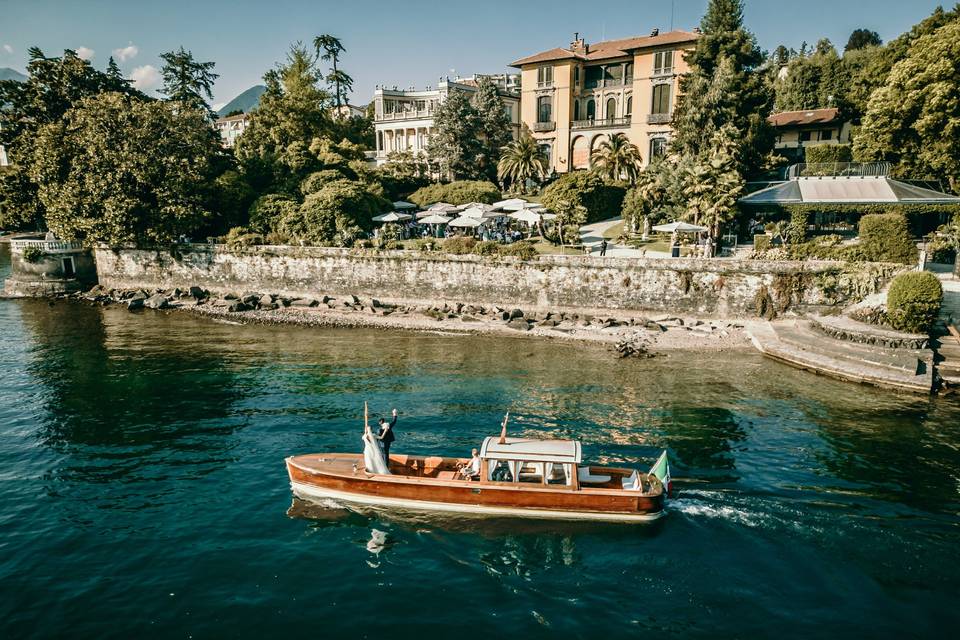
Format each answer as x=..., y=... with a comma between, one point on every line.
x=576, y=109
x=611, y=108
x=661, y=99
x=544, y=109
x=629, y=110
x=591, y=109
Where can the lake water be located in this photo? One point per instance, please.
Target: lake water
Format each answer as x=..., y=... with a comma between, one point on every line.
x=143, y=491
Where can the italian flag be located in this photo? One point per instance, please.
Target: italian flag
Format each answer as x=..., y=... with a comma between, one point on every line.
x=661, y=469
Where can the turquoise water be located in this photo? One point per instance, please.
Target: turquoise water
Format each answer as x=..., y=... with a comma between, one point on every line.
x=143, y=493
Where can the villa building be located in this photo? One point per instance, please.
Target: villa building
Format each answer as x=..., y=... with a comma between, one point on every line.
x=347, y=111
x=575, y=98
x=403, y=119
x=231, y=128
x=798, y=129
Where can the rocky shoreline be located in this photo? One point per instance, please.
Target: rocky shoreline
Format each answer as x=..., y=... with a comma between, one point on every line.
x=627, y=334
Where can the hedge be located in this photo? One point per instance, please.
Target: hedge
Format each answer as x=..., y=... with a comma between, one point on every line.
x=601, y=199
x=460, y=192
x=913, y=302
x=828, y=153
x=884, y=237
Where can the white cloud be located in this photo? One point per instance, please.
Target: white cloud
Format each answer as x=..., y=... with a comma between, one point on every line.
x=145, y=77
x=8, y=48
x=126, y=53
x=85, y=53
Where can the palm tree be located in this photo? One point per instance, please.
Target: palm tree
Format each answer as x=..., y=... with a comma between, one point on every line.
x=522, y=160
x=617, y=158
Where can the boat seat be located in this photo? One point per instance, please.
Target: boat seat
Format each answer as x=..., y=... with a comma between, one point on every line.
x=585, y=477
x=633, y=483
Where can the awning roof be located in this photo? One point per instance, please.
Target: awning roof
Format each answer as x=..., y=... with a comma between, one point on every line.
x=531, y=450
x=846, y=190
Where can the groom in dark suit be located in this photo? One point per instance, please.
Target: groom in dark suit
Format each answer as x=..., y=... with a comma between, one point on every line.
x=387, y=435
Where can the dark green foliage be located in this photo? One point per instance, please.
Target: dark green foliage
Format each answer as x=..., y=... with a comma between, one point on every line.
x=585, y=189
x=20, y=208
x=494, y=127
x=861, y=39
x=523, y=250
x=335, y=214
x=267, y=211
x=459, y=245
x=884, y=237
x=316, y=180
x=456, y=142
x=460, y=192
x=33, y=255
x=797, y=228
x=240, y=237
x=229, y=202
x=913, y=301
x=188, y=81
x=825, y=153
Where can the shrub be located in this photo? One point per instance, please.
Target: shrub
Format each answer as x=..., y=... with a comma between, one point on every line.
x=336, y=214
x=796, y=231
x=459, y=245
x=487, y=248
x=913, y=301
x=460, y=192
x=523, y=250
x=884, y=237
x=239, y=237
x=319, y=179
x=267, y=211
x=32, y=255
x=277, y=238
x=601, y=199
x=426, y=244
x=824, y=153
x=761, y=242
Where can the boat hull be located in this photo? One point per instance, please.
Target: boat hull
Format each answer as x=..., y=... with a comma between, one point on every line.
x=471, y=498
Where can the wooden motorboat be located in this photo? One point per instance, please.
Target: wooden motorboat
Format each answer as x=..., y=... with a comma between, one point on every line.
x=518, y=477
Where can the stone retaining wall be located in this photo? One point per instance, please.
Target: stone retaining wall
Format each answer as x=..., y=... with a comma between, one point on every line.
x=720, y=287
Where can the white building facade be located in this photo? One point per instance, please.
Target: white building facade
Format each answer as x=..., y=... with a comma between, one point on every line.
x=231, y=128
x=403, y=119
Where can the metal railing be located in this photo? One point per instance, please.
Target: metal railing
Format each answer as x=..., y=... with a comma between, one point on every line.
x=405, y=115
x=659, y=118
x=544, y=84
x=601, y=124
x=544, y=126
x=839, y=169
x=47, y=246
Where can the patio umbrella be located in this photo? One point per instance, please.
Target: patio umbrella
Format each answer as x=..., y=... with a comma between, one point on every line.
x=464, y=221
x=443, y=207
x=475, y=212
x=402, y=204
x=393, y=216
x=509, y=202
x=679, y=227
x=476, y=205
x=519, y=206
x=528, y=216
x=435, y=219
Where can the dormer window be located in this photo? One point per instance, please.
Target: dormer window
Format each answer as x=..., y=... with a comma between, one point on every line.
x=662, y=63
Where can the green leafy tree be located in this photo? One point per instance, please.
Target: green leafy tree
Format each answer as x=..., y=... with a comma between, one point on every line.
x=274, y=151
x=914, y=119
x=329, y=48
x=493, y=125
x=117, y=170
x=186, y=80
x=812, y=82
x=601, y=200
x=456, y=141
x=748, y=98
x=652, y=197
x=338, y=213
x=863, y=38
x=616, y=158
x=520, y=161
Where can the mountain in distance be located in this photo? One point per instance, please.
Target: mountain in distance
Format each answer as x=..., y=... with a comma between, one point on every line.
x=246, y=101
x=6, y=73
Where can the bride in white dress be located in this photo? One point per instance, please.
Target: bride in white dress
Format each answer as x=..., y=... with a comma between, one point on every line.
x=373, y=460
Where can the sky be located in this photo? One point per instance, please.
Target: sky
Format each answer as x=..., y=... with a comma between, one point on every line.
x=399, y=43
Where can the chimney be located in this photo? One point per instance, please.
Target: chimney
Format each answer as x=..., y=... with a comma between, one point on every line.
x=696, y=29
x=578, y=45
x=655, y=32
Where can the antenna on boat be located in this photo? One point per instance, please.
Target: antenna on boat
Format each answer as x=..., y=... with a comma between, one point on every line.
x=503, y=428
x=366, y=417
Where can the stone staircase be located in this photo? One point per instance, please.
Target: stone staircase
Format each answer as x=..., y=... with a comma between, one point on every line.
x=948, y=349
x=841, y=349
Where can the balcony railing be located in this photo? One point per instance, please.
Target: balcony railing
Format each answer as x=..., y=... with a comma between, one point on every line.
x=601, y=124
x=659, y=118
x=406, y=115
x=544, y=126
x=544, y=84
x=47, y=246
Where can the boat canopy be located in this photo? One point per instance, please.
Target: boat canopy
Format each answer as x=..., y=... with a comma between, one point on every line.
x=562, y=451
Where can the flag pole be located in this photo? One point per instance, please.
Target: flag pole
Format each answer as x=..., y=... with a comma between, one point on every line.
x=503, y=428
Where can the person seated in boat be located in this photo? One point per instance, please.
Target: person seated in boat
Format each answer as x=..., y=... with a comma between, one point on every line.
x=470, y=470
x=386, y=435
x=501, y=472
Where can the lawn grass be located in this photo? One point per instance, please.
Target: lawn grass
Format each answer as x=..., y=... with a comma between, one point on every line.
x=614, y=232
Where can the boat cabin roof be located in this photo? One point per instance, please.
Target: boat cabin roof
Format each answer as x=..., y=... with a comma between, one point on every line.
x=531, y=450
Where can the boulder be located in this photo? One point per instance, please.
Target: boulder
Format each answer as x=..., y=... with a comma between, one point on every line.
x=375, y=303
x=516, y=313
x=303, y=302
x=270, y=306
x=504, y=315
x=198, y=293
x=519, y=324
x=265, y=299
x=250, y=298
x=158, y=301
x=237, y=306
x=135, y=303
x=231, y=296
x=139, y=294
x=550, y=322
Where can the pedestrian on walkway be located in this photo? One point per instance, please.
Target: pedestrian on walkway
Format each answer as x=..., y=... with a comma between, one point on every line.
x=603, y=248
